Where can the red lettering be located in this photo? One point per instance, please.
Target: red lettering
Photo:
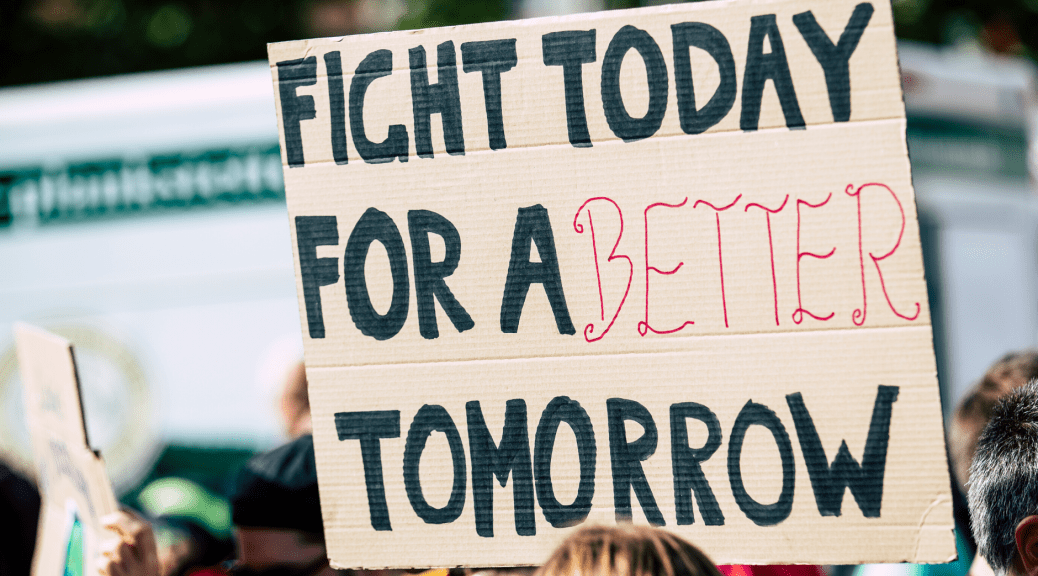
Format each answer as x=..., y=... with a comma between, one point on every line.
x=643, y=326
x=859, y=314
x=767, y=218
x=798, y=314
x=720, y=258
x=589, y=330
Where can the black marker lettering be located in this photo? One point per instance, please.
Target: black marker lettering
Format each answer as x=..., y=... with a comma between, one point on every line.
x=429, y=275
x=865, y=480
x=295, y=108
x=369, y=427
x=760, y=68
x=620, y=121
x=337, y=106
x=532, y=225
x=374, y=66
x=710, y=39
x=761, y=514
x=627, y=457
x=440, y=98
x=311, y=232
x=375, y=226
x=562, y=409
x=571, y=50
x=511, y=456
x=492, y=58
x=835, y=59
x=688, y=474
x=432, y=418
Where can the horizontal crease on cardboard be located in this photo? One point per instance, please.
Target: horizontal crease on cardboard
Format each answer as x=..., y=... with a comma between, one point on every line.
x=613, y=141
x=591, y=354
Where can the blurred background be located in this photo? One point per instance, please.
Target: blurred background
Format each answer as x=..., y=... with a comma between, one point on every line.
x=142, y=208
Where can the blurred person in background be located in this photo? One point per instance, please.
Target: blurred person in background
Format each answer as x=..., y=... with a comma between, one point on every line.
x=1003, y=485
x=626, y=550
x=192, y=525
x=295, y=402
x=276, y=513
x=974, y=411
x=19, y=517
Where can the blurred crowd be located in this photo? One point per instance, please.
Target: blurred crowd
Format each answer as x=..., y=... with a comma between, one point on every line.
x=270, y=523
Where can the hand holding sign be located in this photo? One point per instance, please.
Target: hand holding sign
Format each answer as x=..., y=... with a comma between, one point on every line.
x=128, y=546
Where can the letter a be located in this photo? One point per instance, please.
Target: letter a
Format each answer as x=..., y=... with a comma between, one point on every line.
x=532, y=225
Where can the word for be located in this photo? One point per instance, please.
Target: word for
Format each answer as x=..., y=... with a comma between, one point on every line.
x=533, y=226
x=530, y=470
x=570, y=51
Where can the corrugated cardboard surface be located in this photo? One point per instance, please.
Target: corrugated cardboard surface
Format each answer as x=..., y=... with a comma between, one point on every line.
x=788, y=258
x=74, y=483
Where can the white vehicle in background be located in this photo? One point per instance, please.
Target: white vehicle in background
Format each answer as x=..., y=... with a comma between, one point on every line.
x=143, y=217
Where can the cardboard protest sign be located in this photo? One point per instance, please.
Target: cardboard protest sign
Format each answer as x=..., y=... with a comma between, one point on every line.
x=75, y=488
x=658, y=265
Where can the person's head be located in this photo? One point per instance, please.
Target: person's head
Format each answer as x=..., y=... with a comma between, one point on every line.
x=276, y=512
x=626, y=550
x=192, y=525
x=295, y=402
x=974, y=410
x=1003, y=485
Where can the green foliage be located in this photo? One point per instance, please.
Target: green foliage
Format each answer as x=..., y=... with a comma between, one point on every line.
x=47, y=40
x=431, y=13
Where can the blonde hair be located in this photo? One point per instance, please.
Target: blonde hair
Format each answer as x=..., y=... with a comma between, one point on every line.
x=626, y=550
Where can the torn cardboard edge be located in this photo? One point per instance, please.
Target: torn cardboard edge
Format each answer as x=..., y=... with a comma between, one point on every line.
x=74, y=484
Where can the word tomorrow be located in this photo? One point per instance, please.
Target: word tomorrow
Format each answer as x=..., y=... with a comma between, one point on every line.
x=530, y=470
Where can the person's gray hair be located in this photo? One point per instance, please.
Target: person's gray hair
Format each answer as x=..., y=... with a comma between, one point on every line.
x=1003, y=484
